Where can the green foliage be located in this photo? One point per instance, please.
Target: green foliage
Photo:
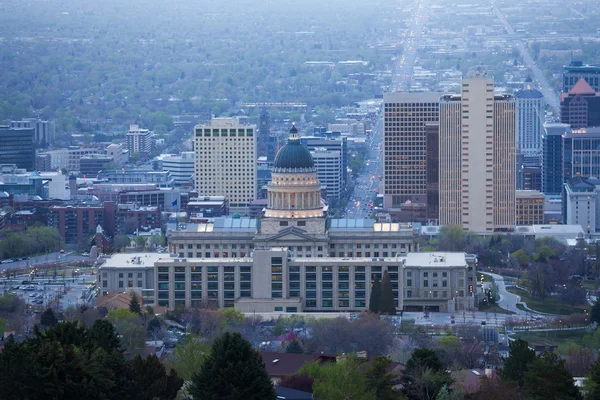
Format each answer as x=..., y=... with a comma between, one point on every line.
x=35, y=240
x=379, y=379
x=48, y=318
x=2, y=326
x=188, y=356
x=592, y=383
x=522, y=257
x=548, y=378
x=134, y=305
x=424, y=375
x=68, y=361
x=294, y=347
x=447, y=394
x=595, y=312
x=375, y=298
x=517, y=363
x=339, y=381
x=232, y=316
x=387, y=305
x=233, y=370
x=121, y=314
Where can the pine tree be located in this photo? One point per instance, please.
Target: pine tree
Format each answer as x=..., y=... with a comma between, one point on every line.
x=375, y=299
x=134, y=304
x=234, y=370
x=48, y=318
x=519, y=358
x=387, y=305
x=294, y=347
x=548, y=378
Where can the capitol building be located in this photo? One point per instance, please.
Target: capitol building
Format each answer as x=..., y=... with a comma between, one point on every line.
x=293, y=259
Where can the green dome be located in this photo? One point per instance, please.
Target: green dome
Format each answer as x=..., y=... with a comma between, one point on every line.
x=236, y=215
x=293, y=155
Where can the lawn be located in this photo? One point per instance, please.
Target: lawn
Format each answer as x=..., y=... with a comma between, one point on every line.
x=589, y=285
x=551, y=305
x=486, y=278
x=551, y=338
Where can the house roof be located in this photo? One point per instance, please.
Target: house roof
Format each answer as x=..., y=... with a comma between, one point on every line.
x=469, y=380
x=292, y=394
x=116, y=301
x=581, y=87
x=284, y=364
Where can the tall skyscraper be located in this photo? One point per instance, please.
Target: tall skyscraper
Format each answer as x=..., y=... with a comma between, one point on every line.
x=16, y=147
x=262, y=139
x=580, y=106
x=477, y=158
x=405, y=117
x=225, y=163
x=45, y=131
x=530, y=121
x=552, y=158
x=576, y=70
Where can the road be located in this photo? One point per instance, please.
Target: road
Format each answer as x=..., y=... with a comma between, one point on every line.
x=508, y=301
x=41, y=260
x=544, y=87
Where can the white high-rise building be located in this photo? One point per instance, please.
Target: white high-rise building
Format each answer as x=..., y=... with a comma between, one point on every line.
x=180, y=166
x=477, y=158
x=139, y=141
x=225, y=162
x=329, y=171
x=530, y=121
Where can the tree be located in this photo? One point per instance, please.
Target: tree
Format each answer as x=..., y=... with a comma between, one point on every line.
x=340, y=380
x=48, y=318
x=447, y=394
x=121, y=241
x=494, y=293
x=573, y=293
x=522, y=257
x=375, y=299
x=548, y=378
x=140, y=241
x=233, y=370
x=148, y=379
x=496, y=390
x=294, y=347
x=424, y=375
x=517, y=363
x=134, y=305
x=387, y=302
x=595, y=312
x=188, y=356
x=592, y=383
x=378, y=378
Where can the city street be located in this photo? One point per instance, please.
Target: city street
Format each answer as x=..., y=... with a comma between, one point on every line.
x=42, y=259
x=508, y=301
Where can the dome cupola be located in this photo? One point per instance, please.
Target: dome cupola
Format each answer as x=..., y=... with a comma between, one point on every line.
x=293, y=156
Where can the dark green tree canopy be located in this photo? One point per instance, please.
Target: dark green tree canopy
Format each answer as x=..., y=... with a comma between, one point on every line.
x=518, y=361
x=234, y=370
x=375, y=298
x=387, y=304
x=547, y=378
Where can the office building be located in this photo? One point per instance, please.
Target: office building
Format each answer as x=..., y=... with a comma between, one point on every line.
x=439, y=281
x=405, y=117
x=580, y=106
x=581, y=153
x=70, y=158
x=19, y=181
x=90, y=165
x=552, y=158
x=43, y=162
x=530, y=207
x=118, y=152
x=201, y=208
x=580, y=204
x=530, y=121
x=181, y=167
x=338, y=144
x=330, y=171
x=44, y=131
x=225, y=162
x=16, y=147
x=76, y=222
x=162, y=179
x=577, y=70
x=432, y=212
x=348, y=127
x=139, y=141
x=477, y=158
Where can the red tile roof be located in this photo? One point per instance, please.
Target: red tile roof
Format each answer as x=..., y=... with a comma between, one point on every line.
x=581, y=87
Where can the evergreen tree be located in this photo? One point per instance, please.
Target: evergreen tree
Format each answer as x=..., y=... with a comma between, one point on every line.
x=425, y=375
x=378, y=378
x=48, y=318
x=519, y=358
x=592, y=383
x=233, y=370
x=595, y=312
x=134, y=304
x=547, y=377
x=148, y=379
x=294, y=347
x=387, y=305
x=375, y=298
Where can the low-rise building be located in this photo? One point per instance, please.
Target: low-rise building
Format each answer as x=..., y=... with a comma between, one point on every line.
x=530, y=207
x=439, y=281
x=126, y=272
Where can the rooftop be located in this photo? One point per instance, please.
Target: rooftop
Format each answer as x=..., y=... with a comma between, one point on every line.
x=435, y=259
x=365, y=225
x=128, y=260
